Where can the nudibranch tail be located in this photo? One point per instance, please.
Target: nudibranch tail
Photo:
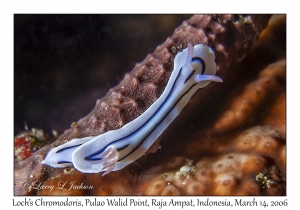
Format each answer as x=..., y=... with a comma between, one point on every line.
x=61, y=156
x=194, y=68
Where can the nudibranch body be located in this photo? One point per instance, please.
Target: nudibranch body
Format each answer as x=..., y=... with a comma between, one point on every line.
x=112, y=151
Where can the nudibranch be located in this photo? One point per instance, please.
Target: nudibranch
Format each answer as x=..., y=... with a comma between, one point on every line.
x=112, y=151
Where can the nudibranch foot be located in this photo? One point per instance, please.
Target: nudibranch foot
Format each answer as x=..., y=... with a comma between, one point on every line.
x=194, y=68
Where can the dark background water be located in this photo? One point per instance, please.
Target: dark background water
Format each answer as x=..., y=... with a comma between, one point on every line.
x=63, y=63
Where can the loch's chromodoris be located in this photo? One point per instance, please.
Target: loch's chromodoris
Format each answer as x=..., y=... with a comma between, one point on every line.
x=112, y=151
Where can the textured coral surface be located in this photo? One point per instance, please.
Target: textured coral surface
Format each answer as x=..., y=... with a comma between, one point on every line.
x=63, y=63
x=226, y=135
